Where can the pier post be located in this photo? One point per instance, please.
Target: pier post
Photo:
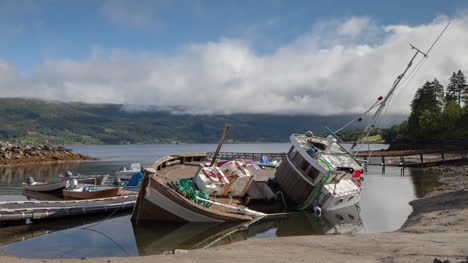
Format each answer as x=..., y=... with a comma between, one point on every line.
x=367, y=163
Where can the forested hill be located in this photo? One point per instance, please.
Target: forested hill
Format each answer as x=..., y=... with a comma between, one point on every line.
x=35, y=121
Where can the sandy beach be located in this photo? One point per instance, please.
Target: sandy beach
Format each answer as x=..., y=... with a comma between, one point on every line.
x=436, y=230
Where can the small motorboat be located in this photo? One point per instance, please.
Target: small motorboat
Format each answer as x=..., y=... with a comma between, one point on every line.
x=92, y=179
x=62, y=181
x=91, y=192
x=126, y=174
x=32, y=185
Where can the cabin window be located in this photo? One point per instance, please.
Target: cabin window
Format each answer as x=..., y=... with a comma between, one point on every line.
x=303, y=165
x=317, y=145
x=311, y=172
x=291, y=153
x=297, y=160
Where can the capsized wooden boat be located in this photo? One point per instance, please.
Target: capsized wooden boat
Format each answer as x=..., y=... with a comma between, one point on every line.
x=90, y=192
x=45, y=186
x=158, y=201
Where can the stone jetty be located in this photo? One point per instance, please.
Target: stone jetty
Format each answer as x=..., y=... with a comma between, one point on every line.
x=18, y=154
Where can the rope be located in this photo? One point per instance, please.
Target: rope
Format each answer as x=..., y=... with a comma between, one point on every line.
x=185, y=188
x=282, y=198
x=109, y=216
x=329, y=171
x=316, y=191
x=314, y=196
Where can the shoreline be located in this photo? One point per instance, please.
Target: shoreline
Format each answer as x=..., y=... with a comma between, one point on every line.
x=21, y=154
x=437, y=228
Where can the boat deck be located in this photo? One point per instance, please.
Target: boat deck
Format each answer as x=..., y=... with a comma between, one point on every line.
x=183, y=171
x=22, y=210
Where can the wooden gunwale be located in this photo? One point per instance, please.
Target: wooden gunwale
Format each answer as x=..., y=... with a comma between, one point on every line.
x=92, y=195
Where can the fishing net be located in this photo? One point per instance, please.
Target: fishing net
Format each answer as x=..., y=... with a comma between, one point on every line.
x=185, y=188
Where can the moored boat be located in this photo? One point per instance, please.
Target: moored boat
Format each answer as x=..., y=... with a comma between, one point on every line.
x=126, y=174
x=91, y=192
x=44, y=186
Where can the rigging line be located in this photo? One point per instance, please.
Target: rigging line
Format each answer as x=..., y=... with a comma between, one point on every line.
x=99, y=232
x=441, y=33
x=107, y=217
x=412, y=72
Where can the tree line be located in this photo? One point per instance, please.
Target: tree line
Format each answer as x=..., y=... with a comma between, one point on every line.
x=437, y=113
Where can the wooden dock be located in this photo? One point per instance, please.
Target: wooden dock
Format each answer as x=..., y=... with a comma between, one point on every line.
x=385, y=158
x=23, y=210
x=252, y=156
x=412, y=157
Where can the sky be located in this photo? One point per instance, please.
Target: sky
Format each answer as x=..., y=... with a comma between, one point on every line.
x=211, y=56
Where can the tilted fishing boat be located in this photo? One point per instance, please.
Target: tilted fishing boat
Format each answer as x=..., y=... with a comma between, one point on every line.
x=319, y=172
x=163, y=197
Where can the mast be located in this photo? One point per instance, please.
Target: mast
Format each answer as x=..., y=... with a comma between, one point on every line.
x=382, y=101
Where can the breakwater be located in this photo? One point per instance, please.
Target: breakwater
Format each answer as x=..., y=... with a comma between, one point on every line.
x=20, y=153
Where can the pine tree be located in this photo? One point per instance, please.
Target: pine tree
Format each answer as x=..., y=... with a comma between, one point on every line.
x=461, y=87
x=457, y=89
x=451, y=89
x=428, y=101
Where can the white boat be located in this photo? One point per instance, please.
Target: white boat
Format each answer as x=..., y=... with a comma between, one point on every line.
x=318, y=172
x=45, y=186
x=126, y=174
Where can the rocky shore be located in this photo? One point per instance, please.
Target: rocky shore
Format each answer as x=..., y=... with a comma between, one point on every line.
x=19, y=154
x=436, y=231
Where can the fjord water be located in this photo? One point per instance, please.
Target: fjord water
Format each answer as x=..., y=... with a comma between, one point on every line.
x=383, y=207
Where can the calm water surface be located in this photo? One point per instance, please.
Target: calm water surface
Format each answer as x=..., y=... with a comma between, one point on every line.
x=383, y=207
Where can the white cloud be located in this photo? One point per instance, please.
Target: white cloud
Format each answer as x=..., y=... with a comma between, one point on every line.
x=323, y=72
x=354, y=26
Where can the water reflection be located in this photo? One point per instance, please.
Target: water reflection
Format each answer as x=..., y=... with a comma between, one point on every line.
x=156, y=238
x=424, y=180
x=15, y=175
x=23, y=232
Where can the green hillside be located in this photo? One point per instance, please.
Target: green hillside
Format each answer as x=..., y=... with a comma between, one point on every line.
x=35, y=121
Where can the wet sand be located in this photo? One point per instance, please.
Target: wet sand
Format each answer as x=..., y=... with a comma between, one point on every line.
x=437, y=229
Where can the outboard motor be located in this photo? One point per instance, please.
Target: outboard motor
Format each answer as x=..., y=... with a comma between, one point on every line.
x=29, y=180
x=71, y=184
x=68, y=174
x=117, y=180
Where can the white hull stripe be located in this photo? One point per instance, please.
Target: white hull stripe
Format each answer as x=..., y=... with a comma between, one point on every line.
x=172, y=207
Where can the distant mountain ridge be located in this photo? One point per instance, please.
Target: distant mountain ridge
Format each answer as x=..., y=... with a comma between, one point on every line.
x=37, y=121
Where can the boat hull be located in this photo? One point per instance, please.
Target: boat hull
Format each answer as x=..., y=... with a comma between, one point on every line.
x=45, y=187
x=112, y=192
x=158, y=202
